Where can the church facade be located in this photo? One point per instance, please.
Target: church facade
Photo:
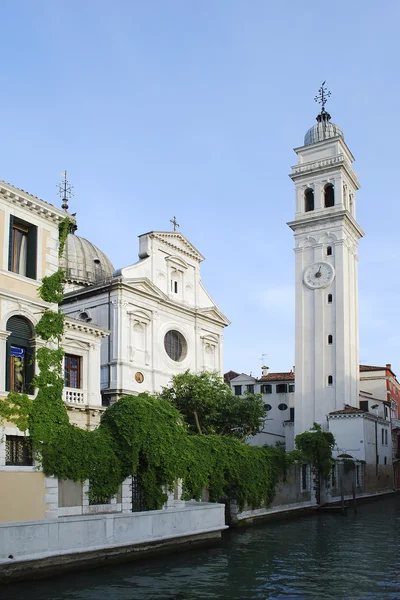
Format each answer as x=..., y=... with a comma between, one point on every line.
x=161, y=318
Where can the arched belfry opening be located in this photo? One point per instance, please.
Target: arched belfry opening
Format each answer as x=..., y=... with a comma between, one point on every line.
x=329, y=193
x=308, y=200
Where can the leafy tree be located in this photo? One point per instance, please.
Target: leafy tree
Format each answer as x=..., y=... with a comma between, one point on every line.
x=210, y=407
x=316, y=446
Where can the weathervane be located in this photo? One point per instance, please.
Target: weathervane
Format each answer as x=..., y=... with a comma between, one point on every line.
x=65, y=191
x=174, y=223
x=322, y=96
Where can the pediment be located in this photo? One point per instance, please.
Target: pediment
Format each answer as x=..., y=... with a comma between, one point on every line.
x=214, y=314
x=144, y=286
x=177, y=242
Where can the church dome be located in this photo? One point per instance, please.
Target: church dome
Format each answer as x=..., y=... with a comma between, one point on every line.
x=84, y=263
x=322, y=130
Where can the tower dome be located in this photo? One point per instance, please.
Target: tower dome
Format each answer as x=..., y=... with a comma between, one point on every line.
x=84, y=263
x=322, y=130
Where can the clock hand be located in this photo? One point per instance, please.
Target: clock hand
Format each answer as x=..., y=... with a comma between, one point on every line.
x=318, y=273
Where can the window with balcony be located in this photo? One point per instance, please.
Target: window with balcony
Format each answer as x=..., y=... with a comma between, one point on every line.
x=72, y=371
x=19, y=356
x=22, y=254
x=18, y=451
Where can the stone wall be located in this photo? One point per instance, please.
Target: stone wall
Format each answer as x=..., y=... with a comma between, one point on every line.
x=378, y=480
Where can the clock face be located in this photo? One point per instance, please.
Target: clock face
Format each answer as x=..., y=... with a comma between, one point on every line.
x=319, y=275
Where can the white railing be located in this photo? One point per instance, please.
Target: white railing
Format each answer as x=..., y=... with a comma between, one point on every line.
x=74, y=396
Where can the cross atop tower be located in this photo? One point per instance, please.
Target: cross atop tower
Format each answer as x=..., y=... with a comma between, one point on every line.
x=322, y=96
x=65, y=191
x=174, y=223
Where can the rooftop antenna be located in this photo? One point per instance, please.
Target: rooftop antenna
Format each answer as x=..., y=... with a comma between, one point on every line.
x=322, y=96
x=174, y=223
x=65, y=191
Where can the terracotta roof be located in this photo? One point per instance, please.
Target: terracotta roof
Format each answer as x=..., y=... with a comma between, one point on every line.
x=288, y=376
x=371, y=368
x=348, y=410
x=230, y=375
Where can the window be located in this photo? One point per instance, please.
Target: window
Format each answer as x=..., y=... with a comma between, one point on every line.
x=18, y=451
x=330, y=298
x=238, y=390
x=386, y=437
x=330, y=339
x=330, y=380
x=308, y=200
x=283, y=406
x=174, y=286
x=19, y=356
x=292, y=414
x=175, y=345
x=329, y=251
x=304, y=478
x=72, y=371
x=329, y=193
x=268, y=407
x=383, y=436
x=266, y=389
x=250, y=388
x=22, y=248
x=364, y=405
x=291, y=388
x=281, y=388
x=385, y=460
x=386, y=412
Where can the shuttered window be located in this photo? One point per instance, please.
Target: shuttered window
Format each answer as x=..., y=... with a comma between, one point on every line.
x=19, y=360
x=22, y=254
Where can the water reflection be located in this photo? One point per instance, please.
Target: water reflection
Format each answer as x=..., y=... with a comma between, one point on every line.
x=324, y=557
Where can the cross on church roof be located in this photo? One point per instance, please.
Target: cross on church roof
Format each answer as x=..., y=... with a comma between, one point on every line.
x=322, y=96
x=65, y=191
x=174, y=223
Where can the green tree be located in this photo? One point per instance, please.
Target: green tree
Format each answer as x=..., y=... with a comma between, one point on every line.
x=210, y=407
x=316, y=447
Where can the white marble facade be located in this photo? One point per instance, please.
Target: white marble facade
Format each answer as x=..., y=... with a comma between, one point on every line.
x=161, y=318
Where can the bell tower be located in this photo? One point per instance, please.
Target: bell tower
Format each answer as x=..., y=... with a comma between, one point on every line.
x=326, y=236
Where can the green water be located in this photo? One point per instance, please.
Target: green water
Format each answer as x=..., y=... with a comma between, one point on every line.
x=327, y=556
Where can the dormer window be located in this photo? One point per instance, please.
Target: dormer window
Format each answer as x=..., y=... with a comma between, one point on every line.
x=308, y=200
x=329, y=193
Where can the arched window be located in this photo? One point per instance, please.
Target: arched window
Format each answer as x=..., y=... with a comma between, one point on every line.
x=19, y=360
x=330, y=298
x=329, y=251
x=329, y=195
x=308, y=200
x=330, y=380
x=330, y=339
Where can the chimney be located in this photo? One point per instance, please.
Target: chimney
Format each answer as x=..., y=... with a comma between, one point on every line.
x=389, y=366
x=264, y=371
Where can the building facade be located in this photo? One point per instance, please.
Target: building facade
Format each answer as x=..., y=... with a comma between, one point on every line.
x=162, y=320
x=277, y=390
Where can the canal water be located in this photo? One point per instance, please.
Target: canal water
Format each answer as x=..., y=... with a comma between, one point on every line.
x=323, y=557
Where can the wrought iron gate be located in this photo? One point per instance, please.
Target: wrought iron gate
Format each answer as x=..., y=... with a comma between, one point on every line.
x=138, y=501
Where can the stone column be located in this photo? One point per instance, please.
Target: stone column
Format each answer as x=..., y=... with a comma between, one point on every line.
x=51, y=497
x=126, y=495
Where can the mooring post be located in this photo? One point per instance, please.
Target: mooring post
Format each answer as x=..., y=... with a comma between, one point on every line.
x=341, y=488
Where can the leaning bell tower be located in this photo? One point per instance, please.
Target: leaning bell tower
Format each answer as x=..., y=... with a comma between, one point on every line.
x=326, y=236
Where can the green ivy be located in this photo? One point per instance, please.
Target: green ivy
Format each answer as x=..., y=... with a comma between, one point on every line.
x=140, y=435
x=316, y=446
x=64, y=229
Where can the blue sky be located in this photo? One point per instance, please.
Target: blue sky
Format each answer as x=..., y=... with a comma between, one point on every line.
x=192, y=108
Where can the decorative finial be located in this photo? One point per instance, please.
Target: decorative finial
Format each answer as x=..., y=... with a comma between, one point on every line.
x=65, y=191
x=174, y=223
x=322, y=96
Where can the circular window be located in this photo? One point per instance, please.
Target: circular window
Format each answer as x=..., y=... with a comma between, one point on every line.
x=282, y=406
x=175, y=345
x=268, y=407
